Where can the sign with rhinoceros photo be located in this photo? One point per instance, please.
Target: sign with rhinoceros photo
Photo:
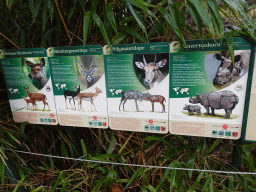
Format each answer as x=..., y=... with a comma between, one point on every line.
x=29, y=85
x=208, y=89
x=79, y=85
x=137, y=79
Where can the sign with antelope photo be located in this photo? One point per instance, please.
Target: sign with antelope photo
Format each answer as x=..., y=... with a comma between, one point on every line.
x=79, y=85
x=208, y=88
x=29, y=85
x=137, y=83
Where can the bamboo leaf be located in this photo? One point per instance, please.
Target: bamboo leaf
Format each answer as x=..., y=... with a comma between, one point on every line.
x=215, y=144
x=86, y=25
x=134, y=33
x=98, y=21
x=137, y=19
x=110, y=16
x=250, y=159
x=229, y=39
x=112, y=144
x=135, y=176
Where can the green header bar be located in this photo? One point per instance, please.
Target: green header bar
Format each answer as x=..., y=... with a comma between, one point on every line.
x=216, y=45
x=17, y=53
x=138, y=48
x=74, y=50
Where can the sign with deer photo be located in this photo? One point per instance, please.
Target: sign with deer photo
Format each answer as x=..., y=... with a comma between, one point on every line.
x=29, y=85
x=208, y=89
x=137, y=79
x=79, y=85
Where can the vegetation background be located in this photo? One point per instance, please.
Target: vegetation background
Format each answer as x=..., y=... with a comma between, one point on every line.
x=51, y=23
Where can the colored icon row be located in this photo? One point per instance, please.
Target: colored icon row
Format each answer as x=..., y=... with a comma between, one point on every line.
x=47, y=120
x=155, y=128
x=225, y=133
x=97, y=123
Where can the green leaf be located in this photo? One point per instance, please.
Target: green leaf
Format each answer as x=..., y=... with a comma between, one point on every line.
x=86, y=25
x=83, y=147
x=198, y=180
x=118, y=38
x=164, y=177
x=9, y=3
x=249, y=158
x=110, y=16
x=133, y=32
x=229, y=39
x=135, y=176
x=215, y=144
x=137, y=19
x=50, y=7
x=139, y=3
x=57, y=181
x=98, y=21
x=112, y=144
x=202, y=11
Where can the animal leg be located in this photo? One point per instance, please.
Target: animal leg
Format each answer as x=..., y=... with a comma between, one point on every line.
x=207, y=110
x=93, y=105
x=137, y=109
x=163, y=107
x=228, y=112
x=120, y=104
x=123, y=104
x=213, y=112
x=74, y=103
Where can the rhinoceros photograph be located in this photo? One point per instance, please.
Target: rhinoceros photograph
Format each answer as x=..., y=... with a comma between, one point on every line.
x=222, y=71
x=226, y=100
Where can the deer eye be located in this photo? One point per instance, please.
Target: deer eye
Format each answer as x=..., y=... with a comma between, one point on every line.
x=37, y=69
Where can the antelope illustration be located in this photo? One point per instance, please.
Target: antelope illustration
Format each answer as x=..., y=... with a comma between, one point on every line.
x=88, y=96
x=154, y=98
x=37, y=72
x=28, y=101
x=37, y=97
x=71, y=95
x=153, y=76
x=91, y=80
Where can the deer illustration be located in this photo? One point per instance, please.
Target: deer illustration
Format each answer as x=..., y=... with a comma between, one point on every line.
x=37, y=97
x=153, y=76
x=91, y=80
x=154, y=98
x=88, y=96
x=37, y=72
x=71, y=95
x=28, y=101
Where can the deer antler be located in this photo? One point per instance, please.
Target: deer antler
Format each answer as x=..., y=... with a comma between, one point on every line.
x=144, y=61
x=93, y=63
x=81, y=65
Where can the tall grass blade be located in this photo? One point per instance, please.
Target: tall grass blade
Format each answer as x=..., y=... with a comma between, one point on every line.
x=135, y=176
x=86, y=25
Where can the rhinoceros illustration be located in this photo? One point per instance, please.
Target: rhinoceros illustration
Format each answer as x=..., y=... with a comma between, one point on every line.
x=226, y=100
x=193, y=108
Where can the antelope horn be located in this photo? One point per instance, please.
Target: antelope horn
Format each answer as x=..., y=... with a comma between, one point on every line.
x=92, y=65
x=144, y=60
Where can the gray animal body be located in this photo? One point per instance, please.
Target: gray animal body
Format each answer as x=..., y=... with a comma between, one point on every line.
x=226, y=100
x=131, y=94
x=227, y=70
x=193, y=108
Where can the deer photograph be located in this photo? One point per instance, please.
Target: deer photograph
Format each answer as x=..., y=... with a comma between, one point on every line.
x=149, y=68
x=37, y=72
x=28, y=101
x=88, y=96
x=36, y=97
x=88, y=70
x=71, y=95
x=154, y=98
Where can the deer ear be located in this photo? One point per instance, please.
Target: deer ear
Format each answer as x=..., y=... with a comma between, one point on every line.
x=218, y=56
x=140, y=65
x=237, y=58
x=42, y=62
x=29, y=63
x=81, y=71
x=94, y=70
x=161, y=63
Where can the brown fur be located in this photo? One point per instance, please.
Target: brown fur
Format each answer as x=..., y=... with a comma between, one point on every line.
x=30, y=101
x=37, y=97
x=90, y=97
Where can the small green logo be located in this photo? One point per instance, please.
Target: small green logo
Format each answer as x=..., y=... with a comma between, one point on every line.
x=214, y=132
x=99, y=123
x=90, y=122
x=49, y=120
x=157, y=128
x=146, y=127
x=41, y=120
x=228, y=133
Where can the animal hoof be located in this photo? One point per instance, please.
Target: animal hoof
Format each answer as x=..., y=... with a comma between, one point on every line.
x=206, y=113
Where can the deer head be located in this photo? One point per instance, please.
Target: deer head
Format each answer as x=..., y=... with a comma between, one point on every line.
x=88, y=73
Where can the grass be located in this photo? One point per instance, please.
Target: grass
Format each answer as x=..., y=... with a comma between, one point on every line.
x=217, y=115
